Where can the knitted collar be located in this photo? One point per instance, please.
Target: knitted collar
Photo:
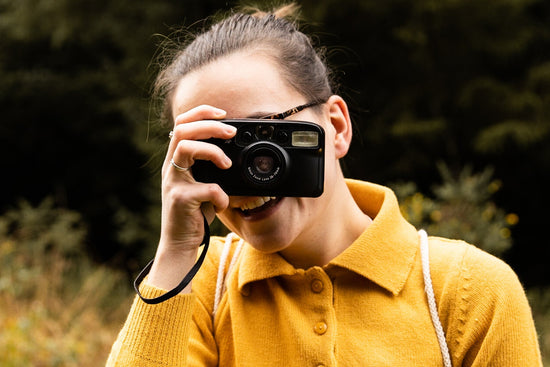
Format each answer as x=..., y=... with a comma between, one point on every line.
x=384, y=253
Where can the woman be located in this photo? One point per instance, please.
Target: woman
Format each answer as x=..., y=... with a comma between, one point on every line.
x=334, y=280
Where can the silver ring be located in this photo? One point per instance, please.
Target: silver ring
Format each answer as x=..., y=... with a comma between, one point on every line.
x=178, y=168
x=171, y=134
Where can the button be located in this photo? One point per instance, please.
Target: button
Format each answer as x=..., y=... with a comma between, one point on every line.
x=320, y=328
x=317, y=285
x=245, y=291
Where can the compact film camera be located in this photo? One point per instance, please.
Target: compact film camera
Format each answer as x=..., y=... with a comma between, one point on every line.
x=270, y=158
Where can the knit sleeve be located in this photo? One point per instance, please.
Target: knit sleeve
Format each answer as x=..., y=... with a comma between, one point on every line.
x=154, y=335
x=492, y=321
x=176, y=332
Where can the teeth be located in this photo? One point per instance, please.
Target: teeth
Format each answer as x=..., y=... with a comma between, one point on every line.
x=256, y=203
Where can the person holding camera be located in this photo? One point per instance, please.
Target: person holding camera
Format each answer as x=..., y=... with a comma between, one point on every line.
x=319, y=270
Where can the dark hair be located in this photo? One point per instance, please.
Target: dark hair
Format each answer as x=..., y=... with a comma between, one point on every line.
x=272, y=33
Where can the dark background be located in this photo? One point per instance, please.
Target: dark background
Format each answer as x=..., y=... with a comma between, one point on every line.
x=461, y=82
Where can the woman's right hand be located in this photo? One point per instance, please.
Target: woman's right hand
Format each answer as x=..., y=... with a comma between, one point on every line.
x=183, y=199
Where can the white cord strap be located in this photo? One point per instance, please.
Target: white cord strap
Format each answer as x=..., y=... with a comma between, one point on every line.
x=220, y=282
x=428, y=286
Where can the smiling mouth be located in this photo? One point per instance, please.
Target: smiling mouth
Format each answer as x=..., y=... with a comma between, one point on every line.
x=258, y=205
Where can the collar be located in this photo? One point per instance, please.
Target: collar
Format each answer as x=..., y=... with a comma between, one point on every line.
x=384, y=253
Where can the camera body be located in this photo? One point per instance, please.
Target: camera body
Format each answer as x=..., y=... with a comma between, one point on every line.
x=270, y=158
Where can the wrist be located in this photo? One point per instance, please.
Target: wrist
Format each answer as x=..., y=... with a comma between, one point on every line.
x=170, y=266
x=167, y=268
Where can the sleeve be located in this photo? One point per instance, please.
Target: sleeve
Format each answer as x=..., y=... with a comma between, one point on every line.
x=492, y=321
x=154, y=335
x=177, y=332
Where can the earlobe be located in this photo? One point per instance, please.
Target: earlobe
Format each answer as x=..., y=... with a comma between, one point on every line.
x=341, y=121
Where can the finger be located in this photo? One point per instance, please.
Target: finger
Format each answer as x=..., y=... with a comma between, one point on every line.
x=212, y=197
x=209, y=211
x=204, y=129
x=203, y=112
x=198, y=130
x=200, y=194
x=188, y=151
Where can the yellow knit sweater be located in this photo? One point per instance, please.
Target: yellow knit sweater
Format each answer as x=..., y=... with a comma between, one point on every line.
x=367, y=307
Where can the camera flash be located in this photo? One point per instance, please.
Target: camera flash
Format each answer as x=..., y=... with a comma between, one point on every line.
x=306, y=139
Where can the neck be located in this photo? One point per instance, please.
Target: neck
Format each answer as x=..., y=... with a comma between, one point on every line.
x=337, y=227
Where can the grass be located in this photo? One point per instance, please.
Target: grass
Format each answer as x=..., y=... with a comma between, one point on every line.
x=56, y=307
x=58, y=324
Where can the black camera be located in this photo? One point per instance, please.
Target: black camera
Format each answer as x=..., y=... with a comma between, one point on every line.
x=270, y=158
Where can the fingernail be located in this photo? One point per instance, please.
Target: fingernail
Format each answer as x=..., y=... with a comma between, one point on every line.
x=231, y=129
x=227, y=162
x=219, y=112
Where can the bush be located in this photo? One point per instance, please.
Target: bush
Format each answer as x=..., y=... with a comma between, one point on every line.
x=461, y=208
x=58, y=308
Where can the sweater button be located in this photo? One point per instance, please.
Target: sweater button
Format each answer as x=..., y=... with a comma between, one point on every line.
x=245, y=291
x=320, y=328
x=317, y=286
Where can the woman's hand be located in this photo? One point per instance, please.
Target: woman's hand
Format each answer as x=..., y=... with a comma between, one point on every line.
x=183, y=199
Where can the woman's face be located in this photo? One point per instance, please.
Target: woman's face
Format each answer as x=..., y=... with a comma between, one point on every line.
x=250, y=85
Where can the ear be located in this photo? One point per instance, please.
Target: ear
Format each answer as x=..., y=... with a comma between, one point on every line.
x=341, y=121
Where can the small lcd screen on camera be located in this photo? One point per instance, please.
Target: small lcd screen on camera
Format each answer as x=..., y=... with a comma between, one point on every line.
x=306, y=139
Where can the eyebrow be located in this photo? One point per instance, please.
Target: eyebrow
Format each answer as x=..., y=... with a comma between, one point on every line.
x=257, y=115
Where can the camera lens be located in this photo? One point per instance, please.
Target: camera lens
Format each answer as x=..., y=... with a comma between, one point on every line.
x=264, y=163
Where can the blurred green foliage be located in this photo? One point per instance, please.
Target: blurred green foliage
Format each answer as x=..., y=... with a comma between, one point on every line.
x=460, y=207
x=57, y=307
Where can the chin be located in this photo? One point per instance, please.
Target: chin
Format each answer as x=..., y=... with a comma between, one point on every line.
x=267, y=243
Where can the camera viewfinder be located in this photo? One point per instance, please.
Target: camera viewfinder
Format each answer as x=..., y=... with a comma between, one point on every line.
x=305, y=139
x=264, y=132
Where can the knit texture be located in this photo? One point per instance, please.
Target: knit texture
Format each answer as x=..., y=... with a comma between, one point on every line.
x=367, y=307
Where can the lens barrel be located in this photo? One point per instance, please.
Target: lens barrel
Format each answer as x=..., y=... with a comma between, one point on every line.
x=265, y=163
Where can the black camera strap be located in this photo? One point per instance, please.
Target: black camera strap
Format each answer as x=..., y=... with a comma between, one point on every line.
x=188, y=277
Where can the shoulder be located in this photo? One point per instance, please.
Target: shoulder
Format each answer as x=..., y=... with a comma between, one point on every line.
x=457, y=262
x=482, y=305
x=476, y=291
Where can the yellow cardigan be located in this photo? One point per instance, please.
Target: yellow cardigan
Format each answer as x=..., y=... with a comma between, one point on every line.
x=367, y=307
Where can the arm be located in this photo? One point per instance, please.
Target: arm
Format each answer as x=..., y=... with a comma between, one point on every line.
x=159, y=334
x=154, y=334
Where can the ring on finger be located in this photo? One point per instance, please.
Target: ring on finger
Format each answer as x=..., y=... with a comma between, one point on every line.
x=171, y=134
x=178, y=168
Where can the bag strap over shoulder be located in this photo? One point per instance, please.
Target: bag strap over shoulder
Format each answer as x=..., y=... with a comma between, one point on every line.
x=428, y=287
x=222, y=274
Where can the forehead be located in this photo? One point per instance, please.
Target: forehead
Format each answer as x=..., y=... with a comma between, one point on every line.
x=241, y=83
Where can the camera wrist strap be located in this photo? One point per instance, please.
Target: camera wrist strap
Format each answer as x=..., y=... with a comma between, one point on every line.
x=185, y=281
